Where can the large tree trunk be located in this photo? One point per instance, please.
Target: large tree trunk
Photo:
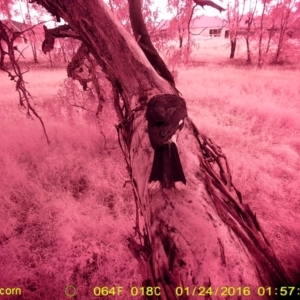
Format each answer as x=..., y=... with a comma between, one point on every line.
x=192, y=238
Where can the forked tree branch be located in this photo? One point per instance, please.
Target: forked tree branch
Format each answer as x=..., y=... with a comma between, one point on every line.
x=209, y=3
x=16, y=75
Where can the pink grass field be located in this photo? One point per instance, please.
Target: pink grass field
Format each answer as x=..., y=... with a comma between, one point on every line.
x=65, y=215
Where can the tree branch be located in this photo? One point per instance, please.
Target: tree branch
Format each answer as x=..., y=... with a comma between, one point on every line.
x=209, y=3
x=142, y=37
x=62, y=31
x=17, y=76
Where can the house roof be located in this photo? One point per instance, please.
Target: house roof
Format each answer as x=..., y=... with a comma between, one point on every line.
x=206, y=21
x=15, y=25
x=163, y=25
x=198, y=22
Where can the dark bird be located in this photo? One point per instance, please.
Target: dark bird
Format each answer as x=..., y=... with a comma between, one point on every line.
x=209, y=3
x=165, y=115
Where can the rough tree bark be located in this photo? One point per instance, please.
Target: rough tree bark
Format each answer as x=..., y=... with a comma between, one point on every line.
x=2, y=55
x=203, y=236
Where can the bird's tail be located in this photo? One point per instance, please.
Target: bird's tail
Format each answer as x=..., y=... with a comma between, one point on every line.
x=166, y=168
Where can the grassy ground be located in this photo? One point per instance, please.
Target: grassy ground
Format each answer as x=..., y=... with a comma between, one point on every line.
x=65, y=216
x=254, y=116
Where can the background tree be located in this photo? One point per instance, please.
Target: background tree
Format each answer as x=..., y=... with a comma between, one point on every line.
x=261, y=32
x=274, y=31
x=252, y=5
x=31, y=34
x=282, y=17
x=179, y=23
x=235, y=12
x=5, y=13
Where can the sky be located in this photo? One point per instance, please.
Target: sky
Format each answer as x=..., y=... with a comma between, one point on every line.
x=208, y=11
x=161, y=4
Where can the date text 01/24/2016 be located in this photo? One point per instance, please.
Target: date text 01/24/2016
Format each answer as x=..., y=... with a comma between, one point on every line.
x=201, y=291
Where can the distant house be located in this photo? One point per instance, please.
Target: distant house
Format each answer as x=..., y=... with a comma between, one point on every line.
x=161, y=30
x=163, y=25
x=16, y=26
x=22, y=42
x=205, y=27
